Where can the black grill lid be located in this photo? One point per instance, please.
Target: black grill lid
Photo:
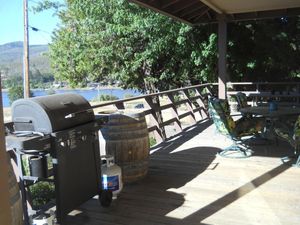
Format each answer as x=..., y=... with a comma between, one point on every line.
x=51, y=113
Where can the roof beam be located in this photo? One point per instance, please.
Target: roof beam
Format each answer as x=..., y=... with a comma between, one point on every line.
x=197, y=13
x=184, y=5
x=195, y=19
x=155, y=7
x=186, y=10
x=166, y=5
x=212, y=6
x=193, y=9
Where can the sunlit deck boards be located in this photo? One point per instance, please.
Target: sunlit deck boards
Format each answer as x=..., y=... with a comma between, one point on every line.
x=187, y=184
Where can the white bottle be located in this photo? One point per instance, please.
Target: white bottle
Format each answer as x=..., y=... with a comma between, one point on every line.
x=111, y=175
x=45, y=219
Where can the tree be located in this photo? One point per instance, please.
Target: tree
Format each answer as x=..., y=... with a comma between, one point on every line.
x=264, y=50
x=122, y=41
x=144, y=50
x=16, y=92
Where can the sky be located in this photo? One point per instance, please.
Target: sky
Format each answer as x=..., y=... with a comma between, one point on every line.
x=11, y=23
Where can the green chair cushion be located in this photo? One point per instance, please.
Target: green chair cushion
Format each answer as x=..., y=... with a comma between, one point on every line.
x=287, y=131
x=220, y=113
x=242, y=100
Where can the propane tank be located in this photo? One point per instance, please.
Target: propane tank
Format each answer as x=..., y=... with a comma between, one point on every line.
x=111, y=175
x=44, y=219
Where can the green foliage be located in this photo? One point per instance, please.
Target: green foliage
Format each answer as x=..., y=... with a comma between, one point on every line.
x=12, y=81
x=178, y=97
x=128, y=95
x=264, y=50
x=117, y=40
x=37, y=80
x=50, y=91
x=232, y=98
x=104, y=97
x=16, y=92
x=122, y=41
x=152, y=141
x=46, y=4
x=41, y=193
x=11, y=63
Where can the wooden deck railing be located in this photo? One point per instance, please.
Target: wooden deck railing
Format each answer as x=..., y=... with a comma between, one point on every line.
x=263, y=91
x=183, y=107
x=176, y=109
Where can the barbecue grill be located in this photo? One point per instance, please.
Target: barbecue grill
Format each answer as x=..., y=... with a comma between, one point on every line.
x=51, y=125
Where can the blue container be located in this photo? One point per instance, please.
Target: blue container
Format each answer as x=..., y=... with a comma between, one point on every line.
x=273, y=106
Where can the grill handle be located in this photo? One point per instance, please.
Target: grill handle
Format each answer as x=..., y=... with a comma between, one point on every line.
x=72, y=115
x=66, y=103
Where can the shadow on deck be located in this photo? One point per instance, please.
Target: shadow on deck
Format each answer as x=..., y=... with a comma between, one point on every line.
x=188, y=184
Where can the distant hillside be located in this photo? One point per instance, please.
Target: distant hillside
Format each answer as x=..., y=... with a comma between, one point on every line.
x=11, y=58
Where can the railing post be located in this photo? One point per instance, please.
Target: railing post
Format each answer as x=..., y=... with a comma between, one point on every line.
x=209, y=90
x=156, y=117
x=156, y=122
x=201, y=103
x=189, y=105
x=174, y=112
x=120, y=105
x=222, y=50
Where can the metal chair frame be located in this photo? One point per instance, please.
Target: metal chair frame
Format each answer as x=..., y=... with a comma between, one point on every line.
x=239, y=149
x=294, y=140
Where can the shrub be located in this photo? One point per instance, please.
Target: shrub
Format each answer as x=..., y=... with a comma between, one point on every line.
x=128, y=95
x=50, y=91
x=152, y=141
x=41, y=193
x=15, y=93
x=178, y=97
x=105, y=97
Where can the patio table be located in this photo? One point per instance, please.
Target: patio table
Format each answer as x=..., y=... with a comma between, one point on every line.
x=265, y=111
x=271, y=116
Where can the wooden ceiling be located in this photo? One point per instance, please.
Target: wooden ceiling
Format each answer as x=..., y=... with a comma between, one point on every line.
x=208, y=11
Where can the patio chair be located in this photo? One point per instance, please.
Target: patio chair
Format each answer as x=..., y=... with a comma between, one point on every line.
x=242, y=103
x=291, y=134
x=235, y=130
x=242, y=100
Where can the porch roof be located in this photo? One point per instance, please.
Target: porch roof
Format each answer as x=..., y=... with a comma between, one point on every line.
x=207, y=11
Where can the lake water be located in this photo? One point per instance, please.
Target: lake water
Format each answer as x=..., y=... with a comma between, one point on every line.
x=87, y=94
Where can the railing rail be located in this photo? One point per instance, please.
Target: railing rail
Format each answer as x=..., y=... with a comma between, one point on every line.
x=263, y=91
x=182, y=103
x=182, y=107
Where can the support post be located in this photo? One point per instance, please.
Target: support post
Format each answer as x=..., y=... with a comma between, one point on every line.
x=5, y=213
x=222, y=49
x=175, y=113
x=26, y=84
x=156, y=117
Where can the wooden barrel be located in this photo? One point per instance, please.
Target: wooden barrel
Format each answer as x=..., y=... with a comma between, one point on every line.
x=125, y=136
x=15, y=197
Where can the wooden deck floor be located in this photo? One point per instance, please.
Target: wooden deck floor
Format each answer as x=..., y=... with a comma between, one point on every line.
x=188, y=184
